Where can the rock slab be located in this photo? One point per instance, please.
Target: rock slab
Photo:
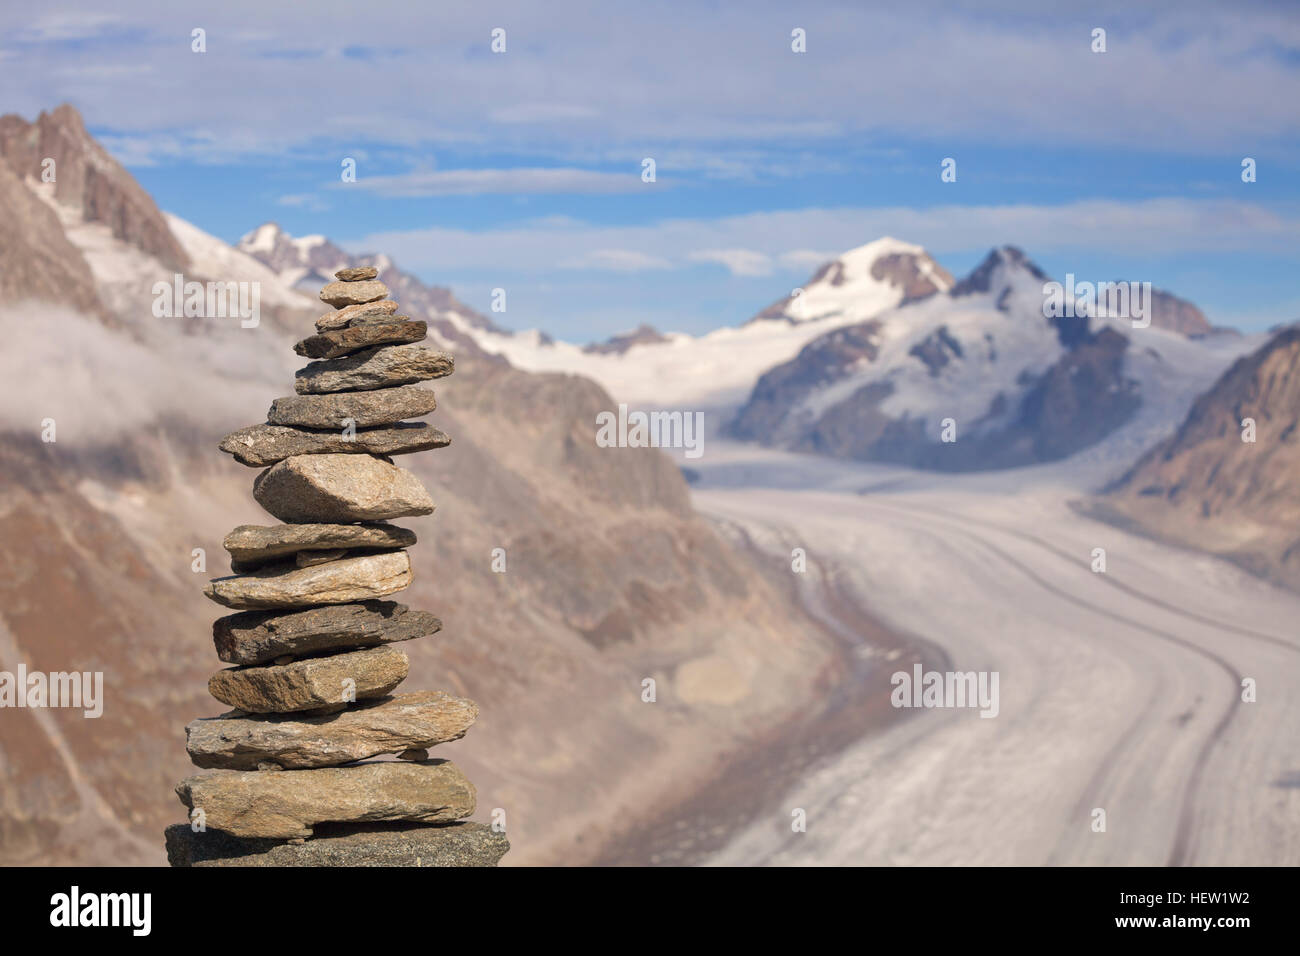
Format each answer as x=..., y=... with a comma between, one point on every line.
x=362, y=409
x=345, y=317
x=385, y=844
x=330, y=489
x=354, y=338
x=362, y=578
x=388, y=725
x=255, y=637
x=356, y=273
x=380, y=367
x=260, y=445
x=312, y=683
x=288, y=804
x=252, y=544
x=342, y=294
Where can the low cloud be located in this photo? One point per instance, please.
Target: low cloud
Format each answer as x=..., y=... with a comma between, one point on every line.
x=757, y=244
x=747, y=263
x=476, y=182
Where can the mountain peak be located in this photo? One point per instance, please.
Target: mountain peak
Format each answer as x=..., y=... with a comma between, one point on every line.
x=881, y=274
x=995, y=273
x=88, y=180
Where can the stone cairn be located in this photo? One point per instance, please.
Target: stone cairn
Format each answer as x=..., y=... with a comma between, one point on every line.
x=285, y=777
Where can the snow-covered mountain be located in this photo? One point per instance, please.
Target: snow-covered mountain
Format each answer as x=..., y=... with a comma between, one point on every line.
x=718, y=370
x=1017, y=387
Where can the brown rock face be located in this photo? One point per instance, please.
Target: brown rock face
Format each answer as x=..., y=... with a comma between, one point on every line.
x=342, y=294
x=251, y=545
x=260, y=445
x=1207, y=487
x=363, y=409
x=340, y=488
x=346, y=581
x=89, y=179
x=38, y=260
x=256, y=637
x=288, y=805
x=386, y=726
x=338, y=342
x=310, y=684
x=374, y=368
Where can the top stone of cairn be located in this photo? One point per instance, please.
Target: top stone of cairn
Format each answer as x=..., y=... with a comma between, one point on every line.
x=356, y=274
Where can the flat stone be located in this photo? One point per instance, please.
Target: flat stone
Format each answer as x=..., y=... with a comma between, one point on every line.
x=251, y=545
x=364, y=409
x=260, y=445
x=344, y=317
x=340, y=294
x=339, y=489
x=338, y=342
x=361, y=578
x=379, y=367
x=344, y=844
x=356, y=273
x=289, y=804
x=255, y=637
x=312, y=683
x=390, y=725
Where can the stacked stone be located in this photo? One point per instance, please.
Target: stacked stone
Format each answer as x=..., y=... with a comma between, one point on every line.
x=313, y=642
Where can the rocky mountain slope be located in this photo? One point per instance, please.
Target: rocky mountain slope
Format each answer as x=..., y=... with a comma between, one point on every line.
x=108, y=532
x=1208, y=487
x=976, y=377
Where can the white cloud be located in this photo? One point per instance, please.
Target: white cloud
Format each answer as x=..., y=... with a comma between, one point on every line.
x=1192, y=76
x=309, y=201
x=617, y=260
x=744, y=243
x=739, y=262
x=471, y=182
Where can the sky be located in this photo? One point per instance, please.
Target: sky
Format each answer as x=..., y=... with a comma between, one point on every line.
x=523, y=168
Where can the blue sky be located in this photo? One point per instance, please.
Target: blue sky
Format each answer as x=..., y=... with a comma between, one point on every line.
x=522, y=169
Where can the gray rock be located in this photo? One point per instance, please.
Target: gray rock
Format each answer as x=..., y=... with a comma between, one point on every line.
x=402, y=724
x=344, y=317
x=341, y=294
x=356, y=273
x=256, y=637
x=315, y=682
x=347, y=581
x=341, y=844
x=354, y=338
x=260, y=445
x=251, y=545
x=339, y=489
x=380, y=367
x=289, y=804
x=364, y=409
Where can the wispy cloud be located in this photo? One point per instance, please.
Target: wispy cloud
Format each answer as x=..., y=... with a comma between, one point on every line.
x=474, y=182
x=739, y=262
x=617, y=260
x=756, y=244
